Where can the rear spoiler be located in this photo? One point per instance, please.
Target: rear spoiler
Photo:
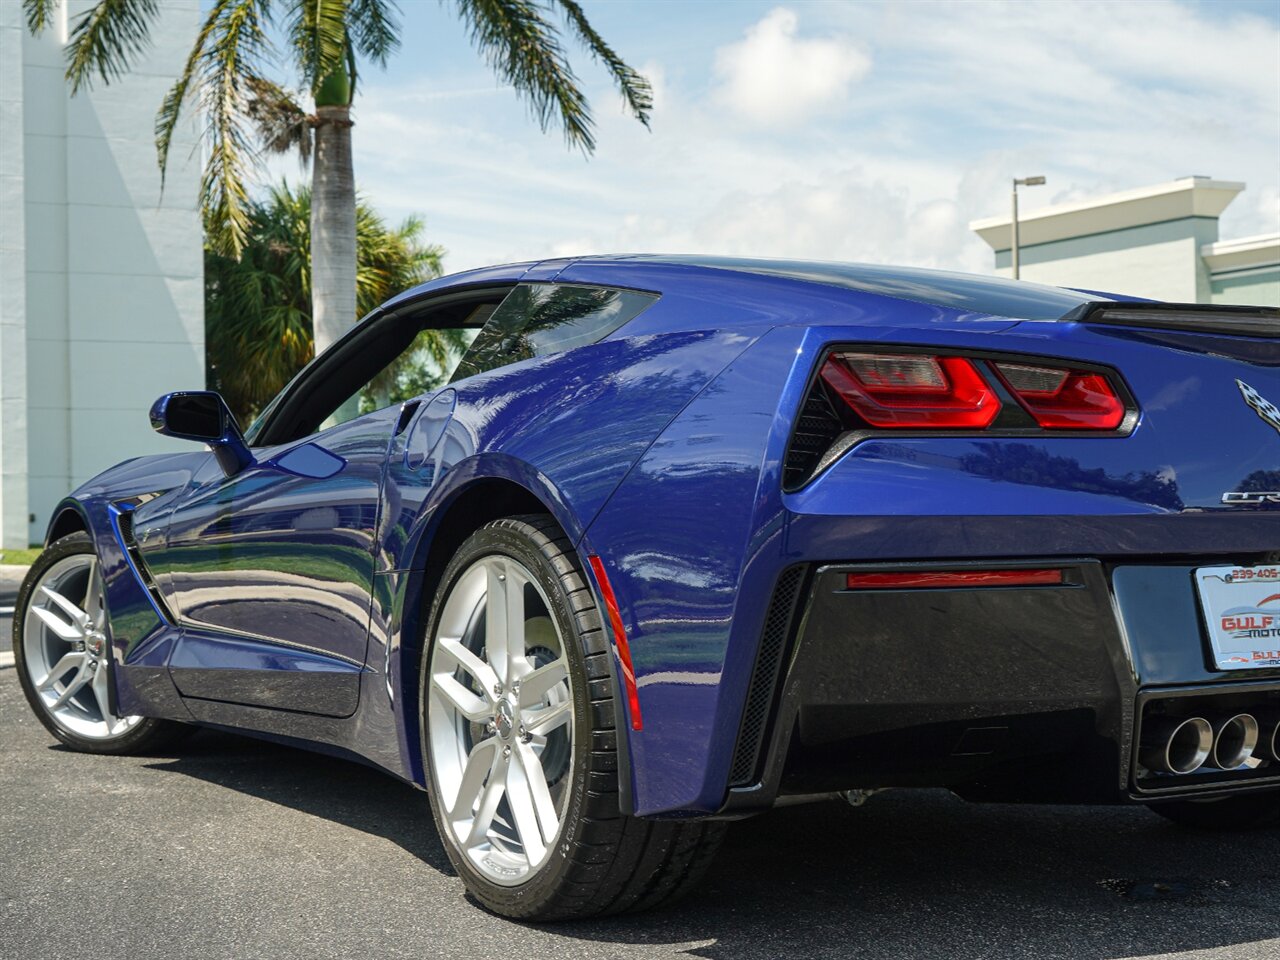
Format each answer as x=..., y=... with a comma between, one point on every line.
x=1195, y=317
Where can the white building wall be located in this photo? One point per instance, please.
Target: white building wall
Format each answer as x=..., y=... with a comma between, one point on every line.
x=13, y=286
x=1161, y=261
x=114, y=306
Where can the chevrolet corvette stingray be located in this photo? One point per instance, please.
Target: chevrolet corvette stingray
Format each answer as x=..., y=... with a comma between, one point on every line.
x=676, y=539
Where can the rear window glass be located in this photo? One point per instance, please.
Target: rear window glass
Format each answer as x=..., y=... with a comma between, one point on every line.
x=541, y=318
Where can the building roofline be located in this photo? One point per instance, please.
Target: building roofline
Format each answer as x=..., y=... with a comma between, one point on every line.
x=1246, y=253
x=1175, y=200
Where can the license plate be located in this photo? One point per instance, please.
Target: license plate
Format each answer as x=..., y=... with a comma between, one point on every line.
x=1242, y=613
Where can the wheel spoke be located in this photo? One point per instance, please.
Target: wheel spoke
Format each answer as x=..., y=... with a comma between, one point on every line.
x=471, y=663
x=59, y=626
x=494, y=790
x=542, y=802
x=100, y=693
x=541, y=722
x=71, y=689
x=520, y=799
x=534, y=687
x=479, y=768
x=78, y=616
x=471, y=706
x=517, y=665
x=93, y=606
x=497, y=625
x=75, y=659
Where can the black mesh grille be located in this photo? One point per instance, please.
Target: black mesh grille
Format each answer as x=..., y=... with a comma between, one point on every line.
x=764, y=677
x=125, y=520
x=816, y=429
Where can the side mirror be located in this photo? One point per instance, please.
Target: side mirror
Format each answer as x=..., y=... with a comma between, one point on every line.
x=203, y=415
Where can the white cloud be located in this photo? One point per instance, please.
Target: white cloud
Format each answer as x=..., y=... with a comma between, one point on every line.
x=1098, y=97
x=772, y=76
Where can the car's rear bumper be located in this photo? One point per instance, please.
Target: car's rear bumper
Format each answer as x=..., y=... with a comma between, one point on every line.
x=1010, y=693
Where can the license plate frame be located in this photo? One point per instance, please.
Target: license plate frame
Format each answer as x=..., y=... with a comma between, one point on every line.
x=1240, y=607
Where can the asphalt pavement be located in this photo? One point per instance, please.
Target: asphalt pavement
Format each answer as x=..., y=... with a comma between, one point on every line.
x=226, y=847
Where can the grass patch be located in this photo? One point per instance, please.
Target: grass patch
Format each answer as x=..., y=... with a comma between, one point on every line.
x=21, y=557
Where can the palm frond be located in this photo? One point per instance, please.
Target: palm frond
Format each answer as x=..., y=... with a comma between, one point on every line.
x=39, y=14
x=635, y=89
x=374, y=26
x=524, y=48
x=318, y=33
x=258, y=307
x=224, y=65
x=105, y=39
x=282, y=124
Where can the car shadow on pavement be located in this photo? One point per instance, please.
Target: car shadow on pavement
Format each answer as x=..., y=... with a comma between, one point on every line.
x=911, y=874
x=921, y=874
x=342, y=791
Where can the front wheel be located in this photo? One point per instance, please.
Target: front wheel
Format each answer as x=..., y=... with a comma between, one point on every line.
x=61, y=648
x=1246, y=812
x=518, y=734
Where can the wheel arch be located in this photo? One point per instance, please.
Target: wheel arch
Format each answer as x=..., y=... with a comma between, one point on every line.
x=465, y=509
x=68, y=518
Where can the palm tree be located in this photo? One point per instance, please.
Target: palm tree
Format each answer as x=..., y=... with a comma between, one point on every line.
x=258, y=306
x=226, y=73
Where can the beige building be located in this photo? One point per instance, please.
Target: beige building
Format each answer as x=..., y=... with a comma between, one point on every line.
x=101, y=275
x=1159, y=242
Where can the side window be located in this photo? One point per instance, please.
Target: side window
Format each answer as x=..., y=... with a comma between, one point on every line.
x=541, y=318
x=409, y=369
x=384, y=361
x=426, y=363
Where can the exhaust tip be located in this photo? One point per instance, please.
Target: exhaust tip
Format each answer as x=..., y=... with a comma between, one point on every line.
x=1234, y=740
x=1268, y=747
x=1173, y=745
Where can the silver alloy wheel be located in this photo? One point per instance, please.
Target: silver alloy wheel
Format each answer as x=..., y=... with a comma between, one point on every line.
x=65, y=648
x=500, y=720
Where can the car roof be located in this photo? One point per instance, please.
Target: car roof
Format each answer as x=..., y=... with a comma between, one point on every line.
x=962, y=292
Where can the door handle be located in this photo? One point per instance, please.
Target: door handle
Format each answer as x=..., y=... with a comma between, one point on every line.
x=406, y=414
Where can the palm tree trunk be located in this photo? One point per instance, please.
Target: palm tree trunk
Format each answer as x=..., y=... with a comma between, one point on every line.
x=333, y=226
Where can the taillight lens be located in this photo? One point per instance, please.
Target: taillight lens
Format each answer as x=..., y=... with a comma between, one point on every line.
x=912, y=391
x=1063, y=399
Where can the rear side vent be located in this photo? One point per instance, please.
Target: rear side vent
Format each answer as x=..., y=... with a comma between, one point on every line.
x=762, y=693
x=816, y=430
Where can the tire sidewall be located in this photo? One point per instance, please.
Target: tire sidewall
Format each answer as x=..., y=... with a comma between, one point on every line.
x=544, y=884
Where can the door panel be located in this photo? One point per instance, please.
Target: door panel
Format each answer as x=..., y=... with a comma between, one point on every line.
x=282, y=553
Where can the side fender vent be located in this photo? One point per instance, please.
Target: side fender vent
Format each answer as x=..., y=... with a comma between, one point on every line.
x=762, y=693
x=123, y=516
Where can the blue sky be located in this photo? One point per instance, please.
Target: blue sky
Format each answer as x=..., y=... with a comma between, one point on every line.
x=859, y=131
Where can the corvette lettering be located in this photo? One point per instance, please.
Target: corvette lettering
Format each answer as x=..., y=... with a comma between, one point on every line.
x=1249, y=496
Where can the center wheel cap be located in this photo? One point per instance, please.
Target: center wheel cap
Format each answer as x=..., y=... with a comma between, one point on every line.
x=504, y=720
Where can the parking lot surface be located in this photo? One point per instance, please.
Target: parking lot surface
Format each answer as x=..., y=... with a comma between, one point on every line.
x=227, y=847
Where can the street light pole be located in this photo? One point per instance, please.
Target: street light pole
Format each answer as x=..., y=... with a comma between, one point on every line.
x=1026, y=182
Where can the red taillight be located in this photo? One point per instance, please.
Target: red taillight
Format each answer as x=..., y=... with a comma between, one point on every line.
x=912, y=391
x=1064, y=399
x=935, y=579
x=619, y=639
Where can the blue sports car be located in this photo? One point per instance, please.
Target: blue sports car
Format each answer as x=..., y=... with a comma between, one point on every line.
x=672, y=540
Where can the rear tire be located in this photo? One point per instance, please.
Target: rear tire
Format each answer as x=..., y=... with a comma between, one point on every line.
x=1248, y=812
x=61, y=648
x=596, y=859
